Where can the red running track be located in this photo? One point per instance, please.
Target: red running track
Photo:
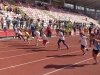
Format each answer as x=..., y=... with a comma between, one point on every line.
x=19, y=58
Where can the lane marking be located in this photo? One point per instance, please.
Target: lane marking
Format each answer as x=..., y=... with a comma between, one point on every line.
x=24, y=49
x=30, y=53
x=13, y=66
x=30, y=44
x=68, y=66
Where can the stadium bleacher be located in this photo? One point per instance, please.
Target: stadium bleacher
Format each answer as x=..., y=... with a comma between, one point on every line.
x=37, y=13
x=59, y=14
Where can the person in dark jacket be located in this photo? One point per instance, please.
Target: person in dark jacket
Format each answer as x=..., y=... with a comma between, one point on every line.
x=32, y=29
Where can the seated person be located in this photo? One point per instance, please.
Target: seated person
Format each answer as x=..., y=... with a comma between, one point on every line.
x=23, y=1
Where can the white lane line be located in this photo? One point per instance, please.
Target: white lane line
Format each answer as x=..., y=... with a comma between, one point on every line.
x=28, y=54
x=4, y=46
x=67, y=66
x=34, y=61
x=23, y=49
x=29, y=49
x=71, y=42
x=19, y=49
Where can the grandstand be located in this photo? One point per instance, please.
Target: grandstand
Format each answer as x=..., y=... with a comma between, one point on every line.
x=50, y=11
x=60, y=14
x=49, y=37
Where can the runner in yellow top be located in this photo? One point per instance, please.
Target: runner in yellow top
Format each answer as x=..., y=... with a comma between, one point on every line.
x=86, y=30
x=67, y=31
x=70, y=31
x=27, y=35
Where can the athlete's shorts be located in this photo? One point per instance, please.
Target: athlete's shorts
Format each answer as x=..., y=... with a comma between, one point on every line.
x=83, y=47
x=27, y=36
x=37, y=37
x=95, y=51
x=45, y=41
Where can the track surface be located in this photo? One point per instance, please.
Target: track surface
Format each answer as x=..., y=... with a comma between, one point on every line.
x=19, y=58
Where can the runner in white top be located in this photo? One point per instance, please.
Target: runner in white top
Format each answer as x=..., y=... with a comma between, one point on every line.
x=20, y=35
x=61, y=39
x=45, y=40
x=83, y=40
x=37, y=35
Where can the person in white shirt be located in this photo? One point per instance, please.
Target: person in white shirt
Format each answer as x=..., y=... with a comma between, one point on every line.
x=45, y=39
x=83, y=40
x=20, y=35
x=37, y=35
x=16, y=31
x=95, y=31
x=61, y=39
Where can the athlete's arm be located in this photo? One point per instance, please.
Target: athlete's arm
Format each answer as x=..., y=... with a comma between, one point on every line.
x=97, y=40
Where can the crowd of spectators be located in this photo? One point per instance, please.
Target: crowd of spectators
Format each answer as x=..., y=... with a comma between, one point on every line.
x=24, y=22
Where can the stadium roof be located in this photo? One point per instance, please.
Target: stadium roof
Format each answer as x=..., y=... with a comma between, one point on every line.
x=95, y=4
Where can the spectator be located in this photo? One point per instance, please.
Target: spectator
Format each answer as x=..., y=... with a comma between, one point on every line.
x=7, y=21
x=27, y=23
x=18, y=11
x=25, y=17
x=2, y=23
x=30, y=23
x=14, y=23
x=21, y=22
x=90, y=30
x=42, y=23
x=48, y=31
x=23, y=1
x=32, y=29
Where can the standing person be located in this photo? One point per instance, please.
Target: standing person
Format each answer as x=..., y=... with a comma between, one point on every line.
x=80, y=29
x=7, y=21
x=27, y=24
x=41, y=31
x=96, y=47
x=83, y=40
x=30, y=22
x=32, y=30
x=21, y=22
x=61, y=39
x=37, y=35
x=16, y=31
x=45, y=39
x=85, y=30
x=48, y=31
x=2, y=23
x=74, y=29
x=90, y=30
x=95, y=31
x=14, y=22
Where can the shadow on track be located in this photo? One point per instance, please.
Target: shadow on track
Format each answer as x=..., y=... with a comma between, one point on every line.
x=69, y=66
x=63, y=56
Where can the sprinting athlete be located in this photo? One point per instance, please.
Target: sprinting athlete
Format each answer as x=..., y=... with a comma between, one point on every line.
x=96, y=47
x=61, y=39
x=37, y=35
x=20, y=35
x=83, y=40
x=27, y=35
x=45, y=40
